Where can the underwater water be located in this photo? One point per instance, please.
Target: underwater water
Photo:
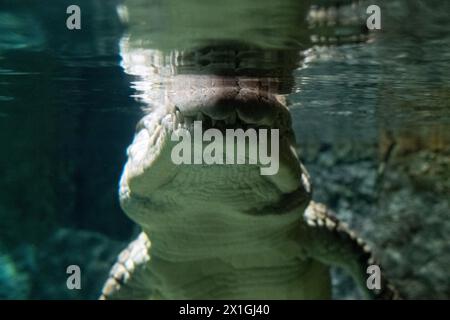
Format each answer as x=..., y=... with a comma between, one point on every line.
x=370, y=113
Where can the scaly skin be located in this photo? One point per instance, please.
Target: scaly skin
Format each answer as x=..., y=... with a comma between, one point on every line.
x=224, y=231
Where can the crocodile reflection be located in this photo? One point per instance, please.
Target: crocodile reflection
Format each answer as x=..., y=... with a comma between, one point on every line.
x=223, y=231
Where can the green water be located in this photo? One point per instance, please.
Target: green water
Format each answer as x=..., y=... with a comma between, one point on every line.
x=371, y=117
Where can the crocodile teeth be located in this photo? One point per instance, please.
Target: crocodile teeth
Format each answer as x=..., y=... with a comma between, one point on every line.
x=179, y=116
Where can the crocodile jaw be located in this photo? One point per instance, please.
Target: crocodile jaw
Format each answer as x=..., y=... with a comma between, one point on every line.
x=243, y=244
x=150, y=165
x=169, y=199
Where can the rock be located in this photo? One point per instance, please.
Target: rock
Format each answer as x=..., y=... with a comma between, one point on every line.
x=92, y=252
x=14, y=279
x=402, y=212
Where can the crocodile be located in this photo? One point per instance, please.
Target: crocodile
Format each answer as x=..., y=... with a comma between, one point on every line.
x=224, y=231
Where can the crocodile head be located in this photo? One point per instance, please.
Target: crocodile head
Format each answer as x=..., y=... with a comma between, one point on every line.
x=213, y=228
x=225, y=77
x=186, y=107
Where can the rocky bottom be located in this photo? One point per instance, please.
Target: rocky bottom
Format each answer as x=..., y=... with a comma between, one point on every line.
x=402, y=213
